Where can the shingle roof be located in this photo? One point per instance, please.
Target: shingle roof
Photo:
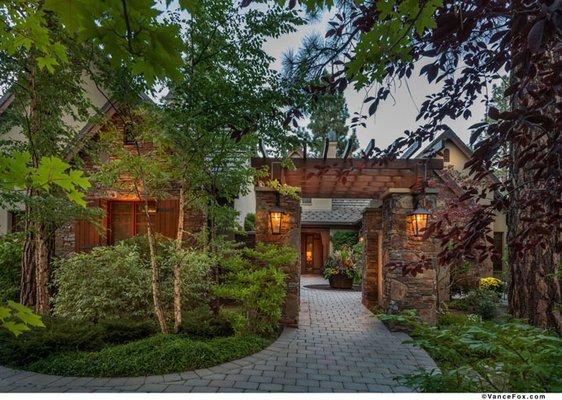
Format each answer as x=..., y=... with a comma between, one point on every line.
x=344, y=212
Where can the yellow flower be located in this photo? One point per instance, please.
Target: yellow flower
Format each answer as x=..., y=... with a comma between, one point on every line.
x=490, y=282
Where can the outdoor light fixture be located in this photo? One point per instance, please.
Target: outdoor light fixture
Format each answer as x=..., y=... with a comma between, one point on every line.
x=419, y=219
x=275, y=216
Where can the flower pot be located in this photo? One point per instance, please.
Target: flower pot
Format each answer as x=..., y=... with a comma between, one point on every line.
x=341, y=282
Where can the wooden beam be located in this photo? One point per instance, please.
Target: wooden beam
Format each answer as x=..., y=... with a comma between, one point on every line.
x=372, y=164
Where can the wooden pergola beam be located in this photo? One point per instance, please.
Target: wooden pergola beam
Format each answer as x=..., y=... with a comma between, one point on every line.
x=356, y=163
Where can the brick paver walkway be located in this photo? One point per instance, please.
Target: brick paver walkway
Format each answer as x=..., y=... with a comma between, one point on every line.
x=339, y=347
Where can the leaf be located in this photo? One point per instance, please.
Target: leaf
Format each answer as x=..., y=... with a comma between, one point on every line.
x=15, y=328
x=534, y=37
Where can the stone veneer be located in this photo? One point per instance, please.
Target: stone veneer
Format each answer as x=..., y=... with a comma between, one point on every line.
x=290, y=235
x=372, y=237
x=400, y=245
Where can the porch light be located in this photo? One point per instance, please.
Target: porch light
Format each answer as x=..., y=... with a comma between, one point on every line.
x=419, y=219
x=275, y=216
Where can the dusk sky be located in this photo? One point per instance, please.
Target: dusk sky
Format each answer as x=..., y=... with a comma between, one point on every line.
x=395, y=115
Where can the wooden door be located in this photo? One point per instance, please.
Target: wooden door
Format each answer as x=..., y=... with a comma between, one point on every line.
x=312, y=253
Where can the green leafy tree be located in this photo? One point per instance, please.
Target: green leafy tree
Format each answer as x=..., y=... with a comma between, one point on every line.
x=227, y=100
x=49, y=50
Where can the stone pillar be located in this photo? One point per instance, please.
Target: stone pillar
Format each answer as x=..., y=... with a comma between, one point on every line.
x=401, y=246
x=290, y=235
x=372, y=239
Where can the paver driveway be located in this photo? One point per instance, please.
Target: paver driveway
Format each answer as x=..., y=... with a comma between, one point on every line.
x=339, y=346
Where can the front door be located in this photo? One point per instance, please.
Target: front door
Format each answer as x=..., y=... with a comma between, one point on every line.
x=311, y=253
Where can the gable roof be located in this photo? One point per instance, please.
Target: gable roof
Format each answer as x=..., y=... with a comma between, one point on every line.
x=437, y=145
x=344, y=212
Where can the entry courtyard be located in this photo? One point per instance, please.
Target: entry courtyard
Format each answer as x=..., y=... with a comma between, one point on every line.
x=339, y=346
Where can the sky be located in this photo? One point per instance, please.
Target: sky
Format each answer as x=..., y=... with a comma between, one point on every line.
x=393, y=116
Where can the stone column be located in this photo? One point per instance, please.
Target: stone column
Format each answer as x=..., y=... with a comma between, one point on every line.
x=290, y=235
x=371, y=234
x=401, y=246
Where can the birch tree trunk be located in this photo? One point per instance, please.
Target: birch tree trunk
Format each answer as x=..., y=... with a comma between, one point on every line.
x=178, y=266
x=155, y=279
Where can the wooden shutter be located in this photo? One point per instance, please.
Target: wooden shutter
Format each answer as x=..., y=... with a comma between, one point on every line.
x=87, y=234
x=167, y=217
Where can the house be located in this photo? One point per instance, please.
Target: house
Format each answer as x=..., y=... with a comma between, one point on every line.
x=122, y=211
x=450, y=148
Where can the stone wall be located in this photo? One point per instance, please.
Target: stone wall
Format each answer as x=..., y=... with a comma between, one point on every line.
x=290, y=235
x=371, y=232
x=400, y=246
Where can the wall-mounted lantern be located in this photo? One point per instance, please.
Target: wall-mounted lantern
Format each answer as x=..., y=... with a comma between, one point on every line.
x=275, y=216
x=419, y=219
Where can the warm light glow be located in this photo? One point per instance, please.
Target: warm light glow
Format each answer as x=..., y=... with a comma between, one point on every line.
x=152, y=208
x=419, y=219
x=275, y=219
x=309, y=253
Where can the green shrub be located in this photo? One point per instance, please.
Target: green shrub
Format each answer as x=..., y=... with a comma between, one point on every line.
x=254, y=280
x=113, y=282
x=110, y=282
x=61, y=336
x=459, y=304
x=485, y=357
x=250, y=222
x=159, y=354
x=450, y=318
x=11, y=246
x=482, y=301
x=203, y=323
x=344, y=238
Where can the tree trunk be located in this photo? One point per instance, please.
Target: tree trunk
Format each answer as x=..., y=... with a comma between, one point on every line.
x=42, y=271
x=28, y=284
x=535, y=272
x=177, y=266
x=535, y=281
x=158, y=310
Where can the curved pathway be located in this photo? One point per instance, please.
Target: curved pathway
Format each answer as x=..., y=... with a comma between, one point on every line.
x=339, y=347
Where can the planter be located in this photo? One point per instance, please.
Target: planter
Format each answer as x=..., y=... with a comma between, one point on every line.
x=341, y=282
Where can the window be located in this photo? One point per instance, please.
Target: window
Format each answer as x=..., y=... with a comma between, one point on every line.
x=128, y=133
x=446, y=155
x=127, y=219
x=306, y=200
x=15, y=221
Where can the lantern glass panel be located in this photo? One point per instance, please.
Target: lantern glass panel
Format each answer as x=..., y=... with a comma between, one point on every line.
x=275, y=218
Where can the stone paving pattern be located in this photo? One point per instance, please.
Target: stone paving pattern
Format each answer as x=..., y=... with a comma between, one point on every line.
x=339, y=347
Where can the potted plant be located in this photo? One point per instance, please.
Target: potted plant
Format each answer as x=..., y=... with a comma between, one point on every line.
x=341, y=268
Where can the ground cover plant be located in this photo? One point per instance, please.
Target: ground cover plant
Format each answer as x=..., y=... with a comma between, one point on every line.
x=477, y=356
x=103, y=323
